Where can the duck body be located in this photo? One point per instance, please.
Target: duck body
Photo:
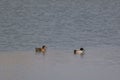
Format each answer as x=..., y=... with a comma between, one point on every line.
x=41, y=50
x=81, y=51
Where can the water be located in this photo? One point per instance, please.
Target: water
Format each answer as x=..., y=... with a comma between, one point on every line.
x=62, y=25
x=59, y=24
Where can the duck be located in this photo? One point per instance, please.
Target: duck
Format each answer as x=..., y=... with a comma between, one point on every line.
x=81, y=51
x=42, y=49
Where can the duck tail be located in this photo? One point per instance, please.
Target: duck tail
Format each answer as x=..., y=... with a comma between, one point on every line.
x=74, y=51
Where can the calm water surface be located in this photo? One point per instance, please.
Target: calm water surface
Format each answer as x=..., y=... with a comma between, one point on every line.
x=62, y=25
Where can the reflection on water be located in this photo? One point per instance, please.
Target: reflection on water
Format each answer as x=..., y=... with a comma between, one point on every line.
x=97, y=63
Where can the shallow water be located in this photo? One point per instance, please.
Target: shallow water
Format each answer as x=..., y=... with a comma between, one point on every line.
x=62, y=25
x=57, y=64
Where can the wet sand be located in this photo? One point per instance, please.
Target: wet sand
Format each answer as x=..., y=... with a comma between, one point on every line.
x=98, y=63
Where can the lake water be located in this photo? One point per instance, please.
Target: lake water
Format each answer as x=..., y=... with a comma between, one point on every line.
x=62, y=25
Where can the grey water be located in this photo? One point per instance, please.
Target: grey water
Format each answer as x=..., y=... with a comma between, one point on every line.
x=62, y=25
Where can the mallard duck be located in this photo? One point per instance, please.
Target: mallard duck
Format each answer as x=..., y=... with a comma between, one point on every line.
x=42, y=49
x=81, y=51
